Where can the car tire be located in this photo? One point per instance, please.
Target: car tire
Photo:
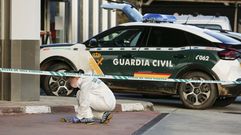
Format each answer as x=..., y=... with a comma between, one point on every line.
x=197, y=95
x=224, y=101
x=57, y=85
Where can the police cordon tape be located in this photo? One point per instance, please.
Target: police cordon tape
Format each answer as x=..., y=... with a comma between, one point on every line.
x=66, y=74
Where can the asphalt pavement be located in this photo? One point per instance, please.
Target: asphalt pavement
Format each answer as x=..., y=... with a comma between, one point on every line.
x=134, y=115
x=181, y=121
x=43, y=117
x=191, y=122
x=122, y=123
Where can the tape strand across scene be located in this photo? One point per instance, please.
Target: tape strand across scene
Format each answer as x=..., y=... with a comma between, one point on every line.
x=52, y=73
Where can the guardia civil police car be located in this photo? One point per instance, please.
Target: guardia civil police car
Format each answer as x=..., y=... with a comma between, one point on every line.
x=152, y=50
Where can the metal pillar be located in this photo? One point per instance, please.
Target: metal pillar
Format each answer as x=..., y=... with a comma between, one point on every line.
x=5, y=47
x=235, y=29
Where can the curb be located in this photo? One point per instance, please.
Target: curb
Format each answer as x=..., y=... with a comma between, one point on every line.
x=38, y=109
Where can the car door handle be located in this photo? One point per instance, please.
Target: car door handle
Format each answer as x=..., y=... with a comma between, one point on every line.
x=179, y=56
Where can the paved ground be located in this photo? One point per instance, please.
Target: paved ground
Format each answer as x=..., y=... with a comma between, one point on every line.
x=193, y=122
x=123, y=123
x=180, y=121
x=175, y=121
x=42, y=117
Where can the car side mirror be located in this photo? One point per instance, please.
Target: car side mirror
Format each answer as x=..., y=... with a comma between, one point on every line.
x=93, y=42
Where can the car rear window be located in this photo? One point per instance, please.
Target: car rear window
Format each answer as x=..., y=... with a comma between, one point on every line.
x=208, y=26
x=195, y=40
x=224, y=39
x=166, y=37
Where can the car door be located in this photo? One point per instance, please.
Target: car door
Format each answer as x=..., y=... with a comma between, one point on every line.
x=166, y=52
x=116, y=51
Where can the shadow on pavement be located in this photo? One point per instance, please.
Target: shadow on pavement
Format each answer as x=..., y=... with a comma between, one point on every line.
x=169, y=101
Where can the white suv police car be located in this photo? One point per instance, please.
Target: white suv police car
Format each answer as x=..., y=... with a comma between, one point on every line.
x=152, y=50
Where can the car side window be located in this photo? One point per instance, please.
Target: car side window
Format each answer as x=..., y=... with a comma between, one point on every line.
x=166, y=37
x=195, y=40
x=121, y=38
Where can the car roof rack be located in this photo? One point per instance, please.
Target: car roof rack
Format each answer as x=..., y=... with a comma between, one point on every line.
x=158, y=18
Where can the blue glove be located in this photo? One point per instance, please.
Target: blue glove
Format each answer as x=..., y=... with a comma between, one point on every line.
x=74, y=119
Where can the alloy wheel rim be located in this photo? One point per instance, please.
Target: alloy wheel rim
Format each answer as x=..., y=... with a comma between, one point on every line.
x=197, y=93
x=59, y=85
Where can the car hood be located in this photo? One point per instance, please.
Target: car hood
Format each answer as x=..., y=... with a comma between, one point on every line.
x=57, y=45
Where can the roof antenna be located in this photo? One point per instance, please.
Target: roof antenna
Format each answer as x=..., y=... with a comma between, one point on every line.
x=187, y=19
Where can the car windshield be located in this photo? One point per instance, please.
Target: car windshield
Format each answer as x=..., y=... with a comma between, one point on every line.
x=224, y=39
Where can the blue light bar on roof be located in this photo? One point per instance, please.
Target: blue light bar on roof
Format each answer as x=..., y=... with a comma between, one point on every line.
x=158, y=18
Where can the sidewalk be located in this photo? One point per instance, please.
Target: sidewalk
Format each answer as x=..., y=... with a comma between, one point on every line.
x=123, y=123
x=130, y=116
x=52, y=104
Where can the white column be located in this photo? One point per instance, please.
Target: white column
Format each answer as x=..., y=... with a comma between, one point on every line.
x=95, y=17
x=61, y=19
x=113, y=19
x=104, y=18
x=21, y=12
x=85, y=19
x=74, y=21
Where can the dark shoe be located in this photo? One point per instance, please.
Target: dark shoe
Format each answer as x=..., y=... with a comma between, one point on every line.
x=107, y=116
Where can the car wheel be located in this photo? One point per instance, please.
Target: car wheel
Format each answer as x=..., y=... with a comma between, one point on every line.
x=57, y=85
x=224, y=101
x=197, y=95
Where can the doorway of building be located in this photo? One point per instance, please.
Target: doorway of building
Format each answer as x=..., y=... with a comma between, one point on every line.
x=55, y=24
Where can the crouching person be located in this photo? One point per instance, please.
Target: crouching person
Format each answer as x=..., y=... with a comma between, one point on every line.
x=95, y=100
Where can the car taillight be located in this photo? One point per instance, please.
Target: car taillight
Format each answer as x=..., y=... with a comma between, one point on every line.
x=228, y=55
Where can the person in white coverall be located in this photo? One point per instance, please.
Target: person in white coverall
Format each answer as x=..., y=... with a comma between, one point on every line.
x=95, y=99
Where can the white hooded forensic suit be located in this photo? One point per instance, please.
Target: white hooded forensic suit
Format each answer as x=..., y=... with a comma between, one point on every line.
x=94, y=98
